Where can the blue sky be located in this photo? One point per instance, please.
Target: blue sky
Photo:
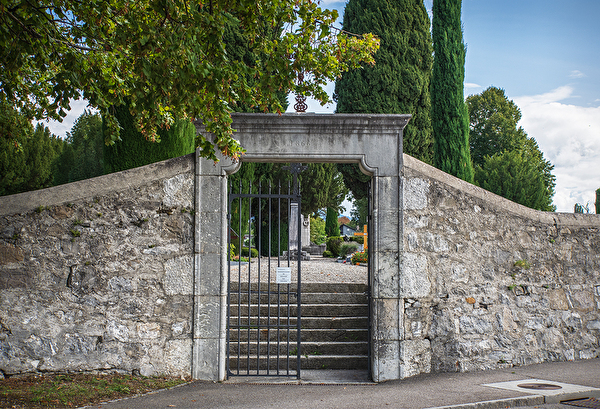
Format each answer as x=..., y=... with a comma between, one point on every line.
x=546, y=55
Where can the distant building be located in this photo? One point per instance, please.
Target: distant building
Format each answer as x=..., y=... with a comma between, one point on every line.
x=346, y=230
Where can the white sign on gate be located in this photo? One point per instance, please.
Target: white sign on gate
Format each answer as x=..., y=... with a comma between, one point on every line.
x=284, y=275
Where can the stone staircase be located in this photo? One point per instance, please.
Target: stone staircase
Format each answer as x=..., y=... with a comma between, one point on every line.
x=334, y=328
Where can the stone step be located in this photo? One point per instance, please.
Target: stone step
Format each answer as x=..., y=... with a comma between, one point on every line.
x=312, y=310
x=306, y=322
x=306, y=287
x=306, y=362
x=307, y=335
x=307, y=298
x=307, y=348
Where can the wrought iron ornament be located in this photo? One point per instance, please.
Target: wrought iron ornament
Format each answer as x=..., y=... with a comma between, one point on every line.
x=295, y=169
x=300, y=105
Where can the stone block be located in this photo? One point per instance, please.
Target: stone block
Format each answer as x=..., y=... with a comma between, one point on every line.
x=208, y=274
x=388, y=225
x=459, y=274
x=209, y=193
x=205, y=359
x=412, y=241
x=595, y=324
x=207, y=316
x=10, y=254
x=385, y=281
x=505, y=320
x=387, y=317
x=435, y=243
x=414, y=277
x=18, y=278
x=583, y=301
x=415, y=193
x=415, y=221
x=179, y=273
x=148, y=330
x=386, y=360
x=388, y=193
x=179, y=191
x=415, y=357
x=117, y=331
x=210, y=232
x=178, y=357
x=116, y=284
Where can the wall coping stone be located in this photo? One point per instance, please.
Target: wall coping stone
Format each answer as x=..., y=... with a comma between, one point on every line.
x=98, y=186
x=576, y=220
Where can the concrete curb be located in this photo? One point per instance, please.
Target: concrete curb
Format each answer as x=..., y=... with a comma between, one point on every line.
x=499, y=403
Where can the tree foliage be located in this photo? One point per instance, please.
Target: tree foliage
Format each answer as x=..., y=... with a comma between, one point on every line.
x=82, y=157
x=331, y=225
x=317, y=230
x=448, y=110
x=322, y=186
x=133, y=150
x=512, y=175
x=493, y=125
x=168, y=59
x=597, y=201
x=399, y=81
x=27, y=154
x=507, y=161
x=360, y=213
x=356, y=181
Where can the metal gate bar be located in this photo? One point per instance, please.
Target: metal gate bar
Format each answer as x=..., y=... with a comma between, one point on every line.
x=240, y=324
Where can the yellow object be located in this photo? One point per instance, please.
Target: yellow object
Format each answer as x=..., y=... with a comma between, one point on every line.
x=365, y=237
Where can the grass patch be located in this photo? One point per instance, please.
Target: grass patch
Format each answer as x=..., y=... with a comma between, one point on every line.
x=76, y=390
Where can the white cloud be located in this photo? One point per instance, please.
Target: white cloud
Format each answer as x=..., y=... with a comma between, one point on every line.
x=577, y=74
x=61, y=128
x=569, y=136
x=469, y=85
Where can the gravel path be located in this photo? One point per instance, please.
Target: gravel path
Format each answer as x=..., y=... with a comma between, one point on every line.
x=317, y=270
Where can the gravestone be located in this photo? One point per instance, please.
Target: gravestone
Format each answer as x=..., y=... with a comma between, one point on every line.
x=293, y=234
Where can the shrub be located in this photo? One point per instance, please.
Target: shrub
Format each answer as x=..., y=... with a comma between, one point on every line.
x=253, y=251
x=358, y=239
x=348, y=248
x=327, y=253
x=360, y=257
x=334, y=244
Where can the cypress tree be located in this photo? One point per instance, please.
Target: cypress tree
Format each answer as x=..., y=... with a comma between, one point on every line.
x=331, y=225
x=448, y=109
x=399, y=81
x=598, y=201
x=133, y=150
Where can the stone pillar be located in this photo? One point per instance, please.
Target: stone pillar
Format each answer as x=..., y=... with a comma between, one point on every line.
x=387, y=306
x=210, y=272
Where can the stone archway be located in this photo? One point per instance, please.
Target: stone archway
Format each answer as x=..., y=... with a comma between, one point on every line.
x=372, y=141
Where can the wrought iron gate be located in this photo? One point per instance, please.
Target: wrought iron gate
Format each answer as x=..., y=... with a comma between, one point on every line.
x=263, y=319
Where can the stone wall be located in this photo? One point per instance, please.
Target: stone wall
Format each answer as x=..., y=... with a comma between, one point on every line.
x=128, y=271
x=97, y=275
x=488, y=283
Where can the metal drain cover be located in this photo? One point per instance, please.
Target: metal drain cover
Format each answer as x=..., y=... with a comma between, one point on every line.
x=583, y=403
x=539, y=386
